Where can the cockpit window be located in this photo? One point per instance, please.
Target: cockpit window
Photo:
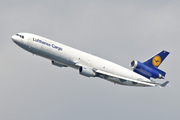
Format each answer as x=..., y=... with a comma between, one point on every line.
x=20, y=36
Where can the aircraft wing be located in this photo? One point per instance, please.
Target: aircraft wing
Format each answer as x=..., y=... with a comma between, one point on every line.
x=153, y=84
x=128, y=79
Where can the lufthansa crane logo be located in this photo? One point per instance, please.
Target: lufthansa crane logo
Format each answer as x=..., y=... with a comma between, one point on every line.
x=156, y=60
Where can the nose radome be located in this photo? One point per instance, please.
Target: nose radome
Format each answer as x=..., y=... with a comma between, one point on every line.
x=13, y=37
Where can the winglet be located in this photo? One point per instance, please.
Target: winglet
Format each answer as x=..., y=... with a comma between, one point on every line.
x=164, y=84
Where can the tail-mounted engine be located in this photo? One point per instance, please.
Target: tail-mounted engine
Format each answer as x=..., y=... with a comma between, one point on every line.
x=147, y=71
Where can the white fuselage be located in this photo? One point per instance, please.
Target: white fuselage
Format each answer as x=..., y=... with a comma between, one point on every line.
x=69, y=56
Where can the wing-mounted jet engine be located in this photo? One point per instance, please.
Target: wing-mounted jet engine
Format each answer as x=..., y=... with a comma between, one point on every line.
x=149, y=68
x=88, y=72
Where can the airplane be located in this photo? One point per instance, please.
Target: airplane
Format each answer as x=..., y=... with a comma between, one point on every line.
x=92, y=66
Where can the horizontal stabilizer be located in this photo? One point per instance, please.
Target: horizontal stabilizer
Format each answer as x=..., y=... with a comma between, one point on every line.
x=164, y=84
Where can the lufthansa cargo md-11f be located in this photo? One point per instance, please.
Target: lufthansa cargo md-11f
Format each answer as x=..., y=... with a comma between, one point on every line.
x=93, y=66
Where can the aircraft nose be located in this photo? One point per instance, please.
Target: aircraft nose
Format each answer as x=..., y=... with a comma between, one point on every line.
x=13, y=37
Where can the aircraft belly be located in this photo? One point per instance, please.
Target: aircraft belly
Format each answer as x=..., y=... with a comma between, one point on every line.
x=24, y=46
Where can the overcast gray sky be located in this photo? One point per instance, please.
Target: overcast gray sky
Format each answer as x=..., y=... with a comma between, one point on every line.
x=117, y=30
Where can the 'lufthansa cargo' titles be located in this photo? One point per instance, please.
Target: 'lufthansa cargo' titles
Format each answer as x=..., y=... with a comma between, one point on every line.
x=48, y=44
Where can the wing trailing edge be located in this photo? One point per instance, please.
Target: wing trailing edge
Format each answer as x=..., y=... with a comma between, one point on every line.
x=128, y=79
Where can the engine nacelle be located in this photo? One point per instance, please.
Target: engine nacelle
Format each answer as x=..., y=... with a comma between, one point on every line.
x=58, y=64
x=87, y=72
x=145, y=70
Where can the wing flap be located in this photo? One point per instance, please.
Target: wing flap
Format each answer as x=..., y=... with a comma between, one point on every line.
x=128, y=79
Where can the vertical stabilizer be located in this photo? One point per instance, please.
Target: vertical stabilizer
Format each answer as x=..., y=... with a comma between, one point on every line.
x=156, y=60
